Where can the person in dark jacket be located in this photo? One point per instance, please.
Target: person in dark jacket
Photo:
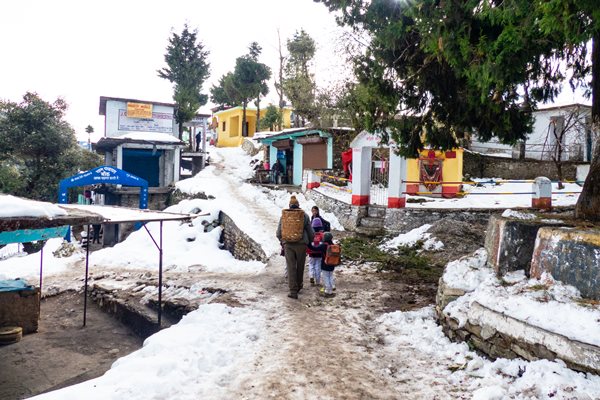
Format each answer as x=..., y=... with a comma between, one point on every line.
x=295, y=252
x=326, y=269
x=276, y=171
x=316, y=214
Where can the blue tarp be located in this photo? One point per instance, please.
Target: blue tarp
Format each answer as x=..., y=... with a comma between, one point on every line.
x=14, y=285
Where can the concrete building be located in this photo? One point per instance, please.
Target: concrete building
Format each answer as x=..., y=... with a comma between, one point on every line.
x=229, y=124
x=298, y=149
x=574, y=120
x=141, y=137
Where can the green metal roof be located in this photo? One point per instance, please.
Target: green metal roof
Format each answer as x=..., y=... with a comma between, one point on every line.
x=291, y=134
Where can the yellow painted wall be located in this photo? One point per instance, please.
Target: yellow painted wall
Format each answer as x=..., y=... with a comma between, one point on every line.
x=452, y=170
x=231, y=136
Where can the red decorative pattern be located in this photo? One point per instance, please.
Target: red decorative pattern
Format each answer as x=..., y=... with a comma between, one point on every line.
x=430, y=171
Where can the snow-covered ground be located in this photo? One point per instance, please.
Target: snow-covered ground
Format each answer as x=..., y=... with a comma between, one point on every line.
x=455, y=366
x=274, y=347
x=203, y=356
x=484, y=195
x=411, y=238
x=545, y=303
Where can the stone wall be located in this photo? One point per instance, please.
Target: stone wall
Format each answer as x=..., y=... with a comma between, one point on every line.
x=348, y=215
x=570, y=256
x=524, y=241
x=21, y=309
x=510, y=241
x=158, y=198
x=485, y=330
x=239, y=243
x=402, y=220
x=484, y=166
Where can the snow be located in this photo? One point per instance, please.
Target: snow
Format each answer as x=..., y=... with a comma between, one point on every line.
x=121, y=214
x=482, y=195
x=28, y=267
x=518, y=215
x=468, y=272
x=184, y=245
x=227, y=193
x=456, y=365
x=200, y=357
x=149, y=136
x=11, y=206
x=212, y=351
x=545, y=303
x=411, y=238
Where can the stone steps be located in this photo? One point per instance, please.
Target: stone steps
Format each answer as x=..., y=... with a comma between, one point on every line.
x=369, y=231
x=376, y=212
x=371, y=222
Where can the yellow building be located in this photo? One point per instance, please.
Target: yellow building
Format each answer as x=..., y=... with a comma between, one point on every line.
x=229, y=131
x=435, y=166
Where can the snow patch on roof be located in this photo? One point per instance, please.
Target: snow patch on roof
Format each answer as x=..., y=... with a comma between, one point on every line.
x=11, y=206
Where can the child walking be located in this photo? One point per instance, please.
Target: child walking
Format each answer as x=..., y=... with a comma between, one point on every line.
x=315, y=257
x=330, y=258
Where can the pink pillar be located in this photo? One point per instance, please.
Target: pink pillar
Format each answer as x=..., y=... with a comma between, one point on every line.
x=361, y=176
x=396, y=185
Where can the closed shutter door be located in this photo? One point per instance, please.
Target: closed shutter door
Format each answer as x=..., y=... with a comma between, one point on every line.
x=314, y=156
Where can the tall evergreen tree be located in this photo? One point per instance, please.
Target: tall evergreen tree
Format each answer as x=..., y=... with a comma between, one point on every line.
x=298, y=84
x=475, y=66
x=246, y=82
x=187, y=68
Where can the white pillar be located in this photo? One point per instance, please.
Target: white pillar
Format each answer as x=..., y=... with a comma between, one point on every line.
x=542, y=194
x=361, y=176
x=313, y=179
x=397, y=184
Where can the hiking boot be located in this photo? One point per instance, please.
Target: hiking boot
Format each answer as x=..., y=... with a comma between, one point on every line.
x=293, y=295
x=322, y=289
x=329, y=295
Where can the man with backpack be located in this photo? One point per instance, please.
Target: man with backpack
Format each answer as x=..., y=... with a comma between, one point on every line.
x=331, y=257
x=295, y=232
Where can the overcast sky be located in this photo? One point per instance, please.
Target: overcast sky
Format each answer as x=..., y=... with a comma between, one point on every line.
x=81, y=50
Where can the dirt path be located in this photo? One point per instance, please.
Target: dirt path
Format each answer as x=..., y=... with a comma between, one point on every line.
x=321, y=348
x=63, y=353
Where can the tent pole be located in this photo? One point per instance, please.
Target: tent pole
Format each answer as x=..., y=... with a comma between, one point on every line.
x=160, y=268
x=41, y=268
x=87, y=260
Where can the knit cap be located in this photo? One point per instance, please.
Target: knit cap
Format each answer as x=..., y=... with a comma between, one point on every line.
x=327, y=237
x=317, y=223
x=294, y=202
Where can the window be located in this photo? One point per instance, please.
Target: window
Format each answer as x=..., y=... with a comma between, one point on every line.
x=224, y=126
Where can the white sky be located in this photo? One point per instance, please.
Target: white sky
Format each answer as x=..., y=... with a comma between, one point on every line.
x=81, y=50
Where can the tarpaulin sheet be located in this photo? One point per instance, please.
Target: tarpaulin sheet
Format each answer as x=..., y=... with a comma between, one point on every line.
x=14, y=285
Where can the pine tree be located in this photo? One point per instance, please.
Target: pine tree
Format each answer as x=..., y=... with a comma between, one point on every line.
x=187, y=68
x=298, y=84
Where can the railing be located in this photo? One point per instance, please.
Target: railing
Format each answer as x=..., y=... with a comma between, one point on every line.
x=481, y=183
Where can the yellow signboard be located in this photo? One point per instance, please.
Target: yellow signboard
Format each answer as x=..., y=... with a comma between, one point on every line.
x=139, y=110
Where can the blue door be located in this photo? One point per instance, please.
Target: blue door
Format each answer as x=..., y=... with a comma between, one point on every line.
x=143, y=163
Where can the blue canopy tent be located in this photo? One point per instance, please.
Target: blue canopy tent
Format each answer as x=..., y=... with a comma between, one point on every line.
x=104, y=174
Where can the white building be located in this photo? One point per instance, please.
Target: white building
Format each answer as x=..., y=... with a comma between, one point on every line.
x=141, y=137
x=571, y=123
